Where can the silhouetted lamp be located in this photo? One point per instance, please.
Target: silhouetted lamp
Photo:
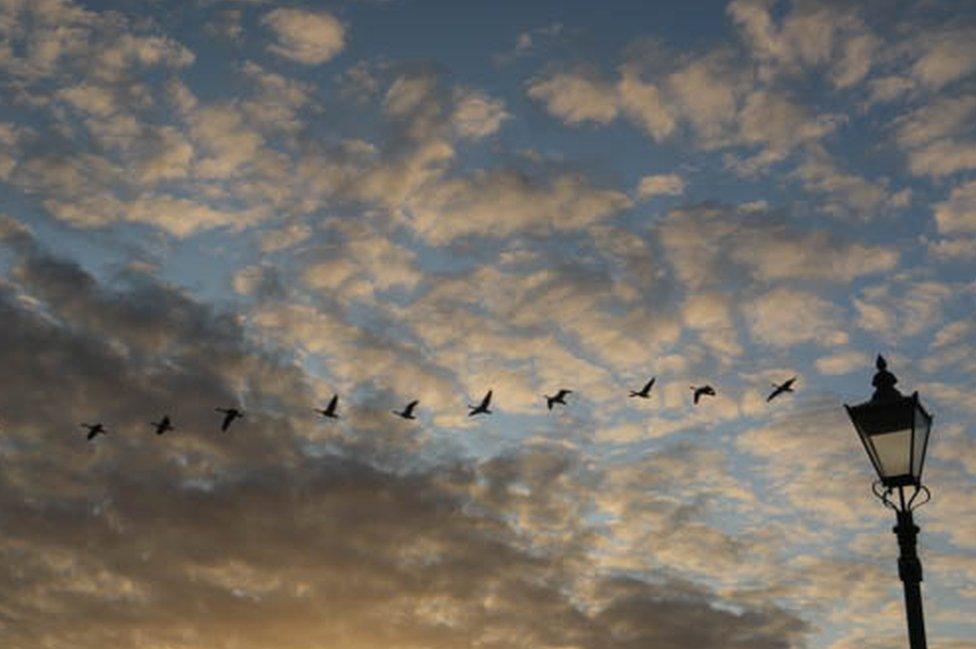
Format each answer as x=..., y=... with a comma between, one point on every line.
x=895, y=432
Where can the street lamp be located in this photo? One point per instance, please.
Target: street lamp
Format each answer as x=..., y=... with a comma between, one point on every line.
x=895, y=432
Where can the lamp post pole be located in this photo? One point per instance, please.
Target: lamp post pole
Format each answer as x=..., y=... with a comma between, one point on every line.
x=910, y=573
x=894, y=430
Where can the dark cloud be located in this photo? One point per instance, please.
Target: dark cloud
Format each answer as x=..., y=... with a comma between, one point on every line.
x=244, y=539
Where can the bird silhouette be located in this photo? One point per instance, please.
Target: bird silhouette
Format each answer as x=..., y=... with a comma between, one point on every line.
x=644, y=392
x=559, y=397
x=163, y=425
x=230, y=414
x=481, y=408
x=785, y=386
x=705, y=390
x=330, y=410
x=94, y=430
x=407, y=413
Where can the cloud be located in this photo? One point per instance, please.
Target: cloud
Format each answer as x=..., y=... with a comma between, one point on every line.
x=711, y=315
x=476, y=115
x=946, y=56
x=724, y=106
x=949, y=250
x=898, y=309
x=660, y=185
x=244, y=526
x=576, y=97
x=709, y=91
x=808, y=36
x=957, y=214
x=937, y=137
x=465, y=206
x=709, y=245
x=843, y=362
x=846, y=192
x=784, y=318
x=646, y=106
x=778, y=124
x=305, y=36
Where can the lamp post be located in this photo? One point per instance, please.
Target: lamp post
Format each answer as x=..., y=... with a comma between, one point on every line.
x=895, y=432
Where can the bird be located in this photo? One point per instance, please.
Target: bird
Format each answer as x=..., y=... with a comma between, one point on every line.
x=94, y=430
x=644, y=392
x=705, y=390
x=407, y=413
x=559, y=397
x=785, y=386
x=330, y=410
x=163, y=425
x=481, y=408
x=230, y=414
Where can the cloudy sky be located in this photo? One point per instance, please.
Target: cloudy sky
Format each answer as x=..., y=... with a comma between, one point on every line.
x=217, y=202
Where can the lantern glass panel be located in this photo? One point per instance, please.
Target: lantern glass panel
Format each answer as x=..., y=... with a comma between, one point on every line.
x=923, y=424
x=893, y=452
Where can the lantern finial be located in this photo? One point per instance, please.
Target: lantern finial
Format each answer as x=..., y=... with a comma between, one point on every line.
x=884, y=382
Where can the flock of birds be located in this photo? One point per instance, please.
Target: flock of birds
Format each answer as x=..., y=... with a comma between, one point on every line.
x=230, y=415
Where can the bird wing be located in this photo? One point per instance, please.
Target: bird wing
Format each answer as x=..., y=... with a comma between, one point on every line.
x=410, y=406
x=333, y=403
x=649, y=385
x=486, y=400
x=228, y=418
x=563, y=393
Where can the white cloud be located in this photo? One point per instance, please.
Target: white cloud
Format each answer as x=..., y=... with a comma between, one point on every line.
x=776, y=123
x=724, y=105
x=787, y=317
x=901, y=308
x=708, y=245
x=576, y=97
x=223, y=133
x=848, y=193
x=306, y=36
x=645, y=105
x=956, y=249
x=472, y=205
x=709, y=91
x=843, y=362
x=938, y=136
x=710, y=314
x=660, y=185
x=957, y=214
x=809, y=36
x=476, y=115
x=946, y=56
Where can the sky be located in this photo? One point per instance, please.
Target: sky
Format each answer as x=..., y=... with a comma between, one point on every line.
x=259, y=204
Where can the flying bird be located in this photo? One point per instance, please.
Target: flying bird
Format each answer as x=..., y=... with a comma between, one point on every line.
x=481, y=408
x=644, y=392
x=559, y=397
x=163, y=425
x=230, y=414
x=94, y=430
x=785, y=386
x=705, y=390
x=407, y=413
x=330, y=410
